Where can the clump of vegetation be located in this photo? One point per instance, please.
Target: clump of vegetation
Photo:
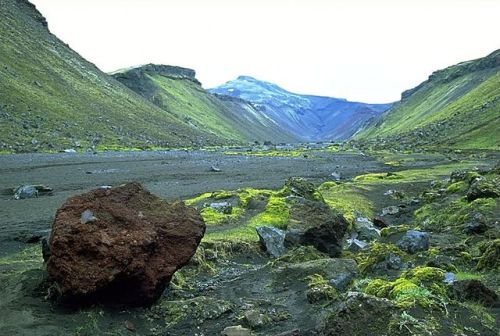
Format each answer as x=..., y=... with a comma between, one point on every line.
x=490, y=255
x=421, y=286
x=348, y=199
x=319, y=289
x=215, y=217
x=391, y=230
x=377, y=253
x=300, y=254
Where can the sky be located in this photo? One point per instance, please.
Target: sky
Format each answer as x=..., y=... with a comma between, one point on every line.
x=361, y=50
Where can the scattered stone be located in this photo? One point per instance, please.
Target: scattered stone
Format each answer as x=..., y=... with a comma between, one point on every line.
x=474, y=290
x=272, y=240
x=476, y=225
x=236, y=331
x=414, y=241
x=355, y=245
x=329, y=268
x=222, y=207
x=215, y=169
x=130, y=326
x=122, y=257
x=391, y=262
x=87, y=216
x=380, y=222
x=70, y=150
x=365, y=229
x=298, y=186
x=483, y=188
x=449, y=277
x=315, y=223
x=390, y=210
x=335, y=176
x=25, y=191
x=255, y=319
x=342, y=281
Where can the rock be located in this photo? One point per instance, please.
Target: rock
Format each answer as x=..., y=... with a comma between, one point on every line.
x=314, y=223
x=45, y=248
x=360, y=314
x=129, y=253
x=298, y=186
x=25, y=191
x=236, y=331
x=342, y=281
x=69, y=150
x=365, y=229
x=355, y=245
x=335, y=176
x=380, y=222
x=483, y=188
x=476, y=225
x=391, y=262
x=390, y=210
x=222, y=207
x=272, y=240
x=414, y=241
x=255, y=319
x=449, y=277
x=87, y=216
x=215, y=169
x=474, y=290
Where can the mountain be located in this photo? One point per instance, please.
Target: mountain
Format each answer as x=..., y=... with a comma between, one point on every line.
x=53, y=99
x=310, y=118
x=457, y=107
x=176, y=90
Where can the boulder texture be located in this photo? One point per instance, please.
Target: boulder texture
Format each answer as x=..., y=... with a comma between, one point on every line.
x=314, y=223
x=128, y=252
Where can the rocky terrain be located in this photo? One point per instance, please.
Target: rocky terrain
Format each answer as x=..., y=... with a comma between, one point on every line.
x=297, y=242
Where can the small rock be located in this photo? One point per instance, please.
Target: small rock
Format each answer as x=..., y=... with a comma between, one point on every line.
x=414, y=241
x=70, y=150
x=449, y=277
x=390, y=210
x=222, y=207
x=255, y=319
x=215, y=169
x=335, y=176
x=474, y=290
x=342, y=281
x=87, y=216
x=130, y=326
x=236, y=331
x=483, y=188
x=272, y=239
x=380, y=222
x=365, y=229
x=355, y=245
x=476, y=225
x=25, y=191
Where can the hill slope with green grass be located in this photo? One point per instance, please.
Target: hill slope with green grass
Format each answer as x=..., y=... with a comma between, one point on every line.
x=177, y=91
x=457, y=107
x=53, y=99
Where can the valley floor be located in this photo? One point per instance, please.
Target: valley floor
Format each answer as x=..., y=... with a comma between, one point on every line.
x=231, y=281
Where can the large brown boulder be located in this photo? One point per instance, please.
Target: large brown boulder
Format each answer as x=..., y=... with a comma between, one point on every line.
x=120, y=245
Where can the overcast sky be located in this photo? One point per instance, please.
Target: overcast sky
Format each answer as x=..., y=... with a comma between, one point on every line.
x=366, y=51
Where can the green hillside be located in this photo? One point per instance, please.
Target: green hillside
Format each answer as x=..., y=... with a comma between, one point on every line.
x=52, y=99
x=457, y=107
x=177, y=91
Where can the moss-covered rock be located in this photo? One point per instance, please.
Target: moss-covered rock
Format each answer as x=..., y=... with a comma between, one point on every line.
x=490, y=255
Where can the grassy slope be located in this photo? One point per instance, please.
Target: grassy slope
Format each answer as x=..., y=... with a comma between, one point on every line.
x=232, y=119
x=50, y=97
x=458, y=107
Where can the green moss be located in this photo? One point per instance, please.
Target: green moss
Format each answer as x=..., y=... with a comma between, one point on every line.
x=319, y=289
x=376, y=253
x=490, y=255
x=300, y=254
x=198, y=199
x=376, y=177
x=390, y=230
x=214, y=217
x=440, y=217
x=456, y=187
x=421, y=286
x=246, y=195
x=270, y=153
x=347, y=198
